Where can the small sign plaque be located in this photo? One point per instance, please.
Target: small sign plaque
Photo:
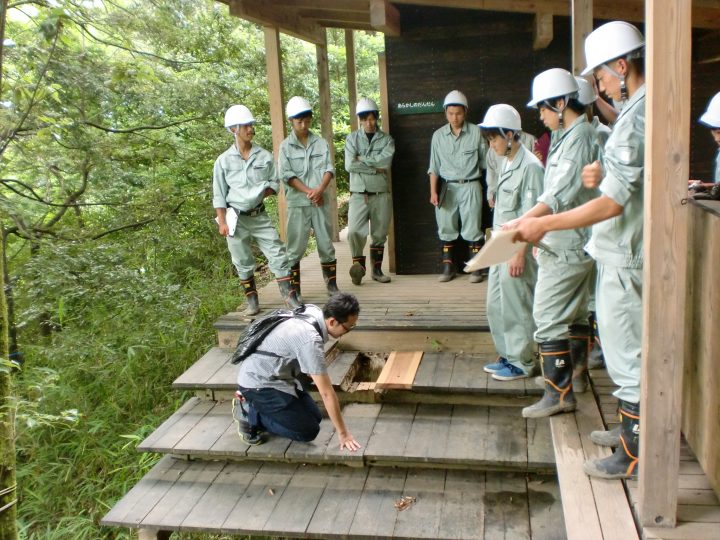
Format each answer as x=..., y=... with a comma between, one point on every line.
x=419, y=107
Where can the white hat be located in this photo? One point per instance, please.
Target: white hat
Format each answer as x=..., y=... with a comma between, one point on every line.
x=553, y=83
x=586, y=93
x=502, y=116
x=366, y=105
x=296, y=106
x=711, y=116
x=238, y=115
x=456, y=97
x=610, y=41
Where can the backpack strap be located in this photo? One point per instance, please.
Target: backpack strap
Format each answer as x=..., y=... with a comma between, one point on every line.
x=303, y=317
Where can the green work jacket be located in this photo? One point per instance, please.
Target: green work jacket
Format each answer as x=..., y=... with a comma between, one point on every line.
x=457, y=158
x=307, y=163
x=241, y=183
x=519, y=185
x=363, y=158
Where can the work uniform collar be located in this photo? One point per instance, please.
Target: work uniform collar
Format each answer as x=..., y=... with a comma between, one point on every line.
x=517, y=161
x=296, y=142
x=560, y=134
x=253, y=150
x=630, y=103
x=448, y=129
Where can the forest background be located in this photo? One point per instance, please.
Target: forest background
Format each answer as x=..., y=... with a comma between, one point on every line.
x=111, y=116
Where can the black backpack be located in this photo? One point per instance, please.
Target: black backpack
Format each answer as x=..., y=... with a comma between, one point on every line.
x=259, y=329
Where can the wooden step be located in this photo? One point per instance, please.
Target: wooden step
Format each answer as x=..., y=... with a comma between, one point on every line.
x=447, y=375
x=308, y=501
x=422, y=435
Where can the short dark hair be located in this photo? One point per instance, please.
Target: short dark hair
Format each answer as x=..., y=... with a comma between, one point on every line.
x=489, y=133
x=302, y=115
x=364, y=115
x=341, y=306
x=573, y=104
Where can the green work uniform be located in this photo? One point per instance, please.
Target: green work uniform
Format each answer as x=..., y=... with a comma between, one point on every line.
x=492, y=162
x=308, y=164
x=561, y=292
x=241, y=184
x=603, y=132
x=457, y=160
x=717, y=167
x=370, y=201
x=510, y=299
x=617, y=246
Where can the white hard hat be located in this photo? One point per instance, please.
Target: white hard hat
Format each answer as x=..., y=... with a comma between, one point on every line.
x=711, y=116
x=502, y=116
x=610, y=41
x=456, y=97
x=297, y=106
x=586, y=94
x=366, y=105
x=553, y=83
x=238, y=115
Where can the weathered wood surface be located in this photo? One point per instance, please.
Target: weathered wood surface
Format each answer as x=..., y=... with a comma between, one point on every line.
x=399, y=370
x=426, y=435
x=339, y=502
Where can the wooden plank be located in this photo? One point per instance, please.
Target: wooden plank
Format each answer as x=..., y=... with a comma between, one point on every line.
x=204, y=368
x=376, y=514
x=336, y=508
x=264, y=13
x=581, y=13
x=546, y=516
x=385, y=116
x=351, y=77
x=313, y=451
x=684, y=531
x=175, y=427
x=463, y=444
x=434, y=372
x=542, y=30
x=505, y=500
x=384, y=17
x=699, y=513
x=428, y=434
x=338, y=370
x=463, y=512
x=506, y=438
x=399, y=371
x=667, y=133
x=468, y=374
x=229, y=444
x=207, y=432
x=391, y=432
x=360, y=420
x=422, y=519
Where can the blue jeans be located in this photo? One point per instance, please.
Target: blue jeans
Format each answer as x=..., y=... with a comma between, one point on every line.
x=296, y=418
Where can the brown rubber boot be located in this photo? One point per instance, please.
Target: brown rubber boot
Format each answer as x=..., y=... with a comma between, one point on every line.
x=579, y=349
x=287, y=292
x=357, y=270
x=251, y=297
x=329, y=271
x=478, y=275
x=376, y=259
x=449, y=272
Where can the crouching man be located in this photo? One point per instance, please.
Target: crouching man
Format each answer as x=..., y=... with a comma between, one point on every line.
x=271, y=396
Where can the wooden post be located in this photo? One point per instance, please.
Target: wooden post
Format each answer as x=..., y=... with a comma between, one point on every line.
x=326, y=128
x=273, y=67
x=351, y=77
x=667, y=143
x=385, y=115
x=582, y=25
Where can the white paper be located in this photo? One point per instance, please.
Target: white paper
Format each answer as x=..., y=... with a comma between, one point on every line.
x=499, y=249
x=231, y=220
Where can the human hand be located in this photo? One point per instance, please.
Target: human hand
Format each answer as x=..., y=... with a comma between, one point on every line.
x=434, y=199
x=592, y=175
x=491, y=201
x=516, y=265
x=348, y=442
x=529, y=230
x=223, y=229
x=316, y=196
x=380, y=171
x=269, y=192
x=511, y=225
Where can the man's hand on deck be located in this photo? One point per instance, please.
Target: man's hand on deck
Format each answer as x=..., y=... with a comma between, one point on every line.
x=348, y=442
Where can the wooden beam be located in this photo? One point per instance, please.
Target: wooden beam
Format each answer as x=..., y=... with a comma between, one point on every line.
x=385, y=116
x=273, y=67
x=348, y=6
x=708, y=48
x=339, y=17
x=582, y=25
x=542, y=30
x=265, y=14
x=667, y=157
x=385, y=17
x=351, y=77
x=326, y=128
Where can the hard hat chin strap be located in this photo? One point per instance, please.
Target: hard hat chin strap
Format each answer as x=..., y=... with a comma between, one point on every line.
x=508, y=140
x=556, y=109
x=623, y=88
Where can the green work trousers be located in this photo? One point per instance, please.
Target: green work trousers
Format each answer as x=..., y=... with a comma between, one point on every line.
x=300, y=219
x=561, y=293
x=463, y=202
x=619, y=315
x=260, y=229
x=509, y=312
x=368, y=214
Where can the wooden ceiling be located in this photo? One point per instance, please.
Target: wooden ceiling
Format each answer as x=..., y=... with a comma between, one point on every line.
x=306, y=19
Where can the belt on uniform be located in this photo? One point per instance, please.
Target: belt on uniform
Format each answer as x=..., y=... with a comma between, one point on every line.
x=367, y=192
x=462, y=181
x=259, y=209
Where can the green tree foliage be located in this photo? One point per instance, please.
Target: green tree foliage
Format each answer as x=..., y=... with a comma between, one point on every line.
x=110, y=120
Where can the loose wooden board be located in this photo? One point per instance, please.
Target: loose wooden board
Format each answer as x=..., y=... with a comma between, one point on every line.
x=399, y=371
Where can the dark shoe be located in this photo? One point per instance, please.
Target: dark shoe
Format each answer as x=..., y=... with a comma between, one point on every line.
x=610, y=438
x=579, y=348
x=329, y=271
x=287, y=292
x=623, y=463
x=295, y=280
x=557, y=370
x=509, y=373
x=251, y=297
x=596, y=359
x=249, y=434
x=376, y=259
x=357, y=270
x=449, y=272
x=501, y=363
x=478, y=275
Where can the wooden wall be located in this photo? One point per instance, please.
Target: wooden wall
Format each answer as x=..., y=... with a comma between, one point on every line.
x=488, y=56
x=701, y=384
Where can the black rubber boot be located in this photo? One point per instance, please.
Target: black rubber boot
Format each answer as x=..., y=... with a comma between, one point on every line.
x=579, y=349
x=287, y=292
x=249, y=434
x=295, y=280
x=623, y=463
x=557, y=370
x=596, y=358
x=376, y=259
x=357, y=270
x=477, y=276
x=329, y=271
x=609, y=438
x=449, y=272
x=251, y=297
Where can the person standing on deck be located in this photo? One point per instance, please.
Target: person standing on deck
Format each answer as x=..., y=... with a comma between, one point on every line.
x=305, y=166
x=615, y=56
x=511, y=285
x=368, y=156
x=457, y=160
x=561, y=293
x=711, y=119
x=243, y=176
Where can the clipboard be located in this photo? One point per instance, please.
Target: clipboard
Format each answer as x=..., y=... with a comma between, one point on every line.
x=499, y=249
x=231, y=218
x=441, y=190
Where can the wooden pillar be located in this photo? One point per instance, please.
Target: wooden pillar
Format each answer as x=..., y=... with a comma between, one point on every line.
x=385, y=115
x=582, y=25
x=351, y=77
x=667, y=144
x=326, y=127
x=273, y=67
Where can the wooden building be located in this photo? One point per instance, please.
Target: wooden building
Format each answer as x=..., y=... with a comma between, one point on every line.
x=491, y=49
